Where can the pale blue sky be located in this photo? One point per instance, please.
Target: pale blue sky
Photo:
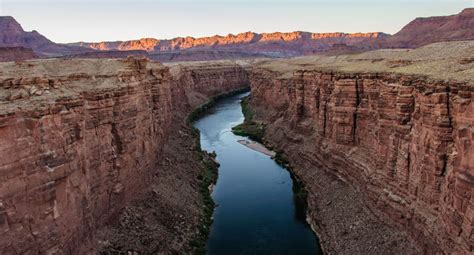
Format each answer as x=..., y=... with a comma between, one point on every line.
x=99, y=20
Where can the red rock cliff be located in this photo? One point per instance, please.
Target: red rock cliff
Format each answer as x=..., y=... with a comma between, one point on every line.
x=289, y=43
x=80, y=139
x=404, y=142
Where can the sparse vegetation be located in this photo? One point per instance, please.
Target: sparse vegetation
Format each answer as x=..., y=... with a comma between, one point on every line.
x=256, y=131
x=249, y=128
x=440, y=61
x=207, y=178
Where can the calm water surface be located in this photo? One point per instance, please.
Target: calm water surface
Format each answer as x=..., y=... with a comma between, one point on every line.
x=255, y=212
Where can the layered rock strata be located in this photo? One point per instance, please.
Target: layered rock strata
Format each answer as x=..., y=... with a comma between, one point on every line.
x=400, y=145
x=93, y=140
x=281, y=44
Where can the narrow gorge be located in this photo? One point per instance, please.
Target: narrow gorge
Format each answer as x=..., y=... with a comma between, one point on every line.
x=88, y=142
x=377, y=140
x=98, y=155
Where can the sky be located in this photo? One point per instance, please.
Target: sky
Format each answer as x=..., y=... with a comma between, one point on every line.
x=109, y=20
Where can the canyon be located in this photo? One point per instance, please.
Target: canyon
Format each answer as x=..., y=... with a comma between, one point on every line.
x=391, y=130
x=82, y=139
x=97, y=154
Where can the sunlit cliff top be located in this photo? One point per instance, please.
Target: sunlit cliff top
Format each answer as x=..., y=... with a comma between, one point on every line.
x=441, y=61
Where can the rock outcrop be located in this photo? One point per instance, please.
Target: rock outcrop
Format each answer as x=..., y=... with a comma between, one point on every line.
x=419, y=32
x=87, y=137
x=400, y=143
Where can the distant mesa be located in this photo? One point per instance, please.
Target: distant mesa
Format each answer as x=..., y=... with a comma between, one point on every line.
x=419, y=32
x=271, y=44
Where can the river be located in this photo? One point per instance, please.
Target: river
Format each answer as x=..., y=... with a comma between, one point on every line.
x=256, y=212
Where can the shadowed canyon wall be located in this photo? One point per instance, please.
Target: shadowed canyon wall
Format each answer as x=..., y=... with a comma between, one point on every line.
x=404, y=142
x=80, y=139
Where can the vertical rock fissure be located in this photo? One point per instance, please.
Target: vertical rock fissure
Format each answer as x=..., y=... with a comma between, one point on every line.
x=448, y=106
x=445, y=157
x=407, y=177
x=318, y=99
x=116, y=142
x=354, y=117
x=325, y=116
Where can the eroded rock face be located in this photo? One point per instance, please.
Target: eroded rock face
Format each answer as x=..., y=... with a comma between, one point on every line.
x=278, y=43
x=404, y=142
x=423, y=31
x=73, y=157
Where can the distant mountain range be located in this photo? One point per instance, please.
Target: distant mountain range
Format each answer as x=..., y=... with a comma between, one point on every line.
x=272, y=44
x=419, y=32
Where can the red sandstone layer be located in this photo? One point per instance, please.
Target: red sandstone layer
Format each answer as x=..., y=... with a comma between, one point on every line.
x=296, y=42
x=399, y=144
x=81, y=139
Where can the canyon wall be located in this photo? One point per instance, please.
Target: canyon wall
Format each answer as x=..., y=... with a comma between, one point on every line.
x=403, y=142
x=81, y=139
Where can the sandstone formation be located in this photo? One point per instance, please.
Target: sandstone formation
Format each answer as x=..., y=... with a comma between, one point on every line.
x=16, y=54
x=423, y=31
x=13, y=35
x=419, y=32
x=82, y=139
x=96, y=155
x=386, y=130
x=272, y=44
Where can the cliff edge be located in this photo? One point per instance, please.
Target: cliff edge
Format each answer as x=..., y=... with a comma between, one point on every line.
x=389, y=130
